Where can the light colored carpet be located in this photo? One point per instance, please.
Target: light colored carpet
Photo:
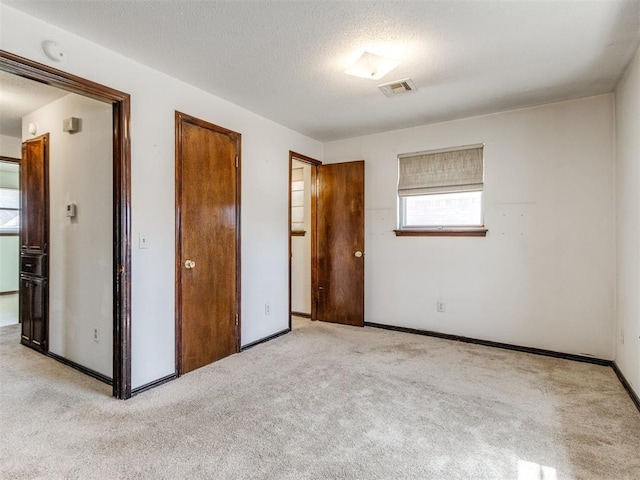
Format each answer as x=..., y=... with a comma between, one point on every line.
x=299, y=322
x=325, y=402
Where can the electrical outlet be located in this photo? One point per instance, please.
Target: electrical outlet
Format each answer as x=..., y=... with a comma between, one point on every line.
x=267, y=309
x=440, y=306
x=96, y=335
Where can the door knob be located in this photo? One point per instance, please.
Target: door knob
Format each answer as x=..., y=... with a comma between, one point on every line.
x=189, y=264
x=358, y=254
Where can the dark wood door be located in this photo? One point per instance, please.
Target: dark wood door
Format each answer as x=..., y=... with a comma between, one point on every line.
x=34, y=185
x=33, y=312
x=34, y=242
x=207, y=257
x=339, y=285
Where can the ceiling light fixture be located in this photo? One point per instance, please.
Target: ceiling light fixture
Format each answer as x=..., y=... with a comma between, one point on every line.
x=372, y=66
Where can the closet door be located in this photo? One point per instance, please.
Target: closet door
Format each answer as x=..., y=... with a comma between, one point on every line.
x=33, y=312
x=208, y=241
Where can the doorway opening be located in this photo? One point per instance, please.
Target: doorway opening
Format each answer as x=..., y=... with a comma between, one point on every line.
x=9, y=239
x=303, y=172
x=120, y=333
x=333, y=254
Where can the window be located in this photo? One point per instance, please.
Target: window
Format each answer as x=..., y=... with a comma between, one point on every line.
x=440, y=192
x=9, y=210
x=297, y=202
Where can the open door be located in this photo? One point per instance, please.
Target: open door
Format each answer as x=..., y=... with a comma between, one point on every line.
x=339, y=281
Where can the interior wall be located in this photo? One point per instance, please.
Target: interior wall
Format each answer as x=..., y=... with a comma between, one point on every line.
x=627, y=96
x=9, y=244
x=9, y=263
x=265, y=175
x=10, y=175
x=544, y=276
x=10, y=146
x=80, y=248
x=301, y=252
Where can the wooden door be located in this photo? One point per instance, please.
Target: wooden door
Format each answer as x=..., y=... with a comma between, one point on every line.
x=34, y=186
x=207, y=238
x=26, y=302
x=339, y=283
x=33, y=312
x=34, y=242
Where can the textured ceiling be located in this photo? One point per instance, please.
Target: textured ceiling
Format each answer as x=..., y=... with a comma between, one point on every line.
x=285, y=60
x=19, y=96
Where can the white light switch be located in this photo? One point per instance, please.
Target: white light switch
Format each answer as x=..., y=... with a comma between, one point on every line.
x=71, y=210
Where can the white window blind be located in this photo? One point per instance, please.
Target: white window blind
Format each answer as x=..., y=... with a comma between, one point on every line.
x=454, y=170
x=297, y=199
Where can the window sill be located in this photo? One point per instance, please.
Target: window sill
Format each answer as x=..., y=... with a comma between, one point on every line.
x=443, y=232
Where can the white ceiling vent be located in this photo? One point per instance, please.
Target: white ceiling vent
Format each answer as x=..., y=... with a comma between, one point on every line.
x=398, y=87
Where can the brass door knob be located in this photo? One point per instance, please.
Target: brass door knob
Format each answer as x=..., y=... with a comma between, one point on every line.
x=189, y=264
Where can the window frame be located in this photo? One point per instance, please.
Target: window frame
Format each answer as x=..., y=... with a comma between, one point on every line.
x=403, y=230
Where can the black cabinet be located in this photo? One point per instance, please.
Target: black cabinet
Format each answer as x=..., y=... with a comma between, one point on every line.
x=33, y=312
x=34, y=241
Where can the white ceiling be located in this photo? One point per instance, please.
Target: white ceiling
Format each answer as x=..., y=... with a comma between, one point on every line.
x=18, y=97
x=285, y=59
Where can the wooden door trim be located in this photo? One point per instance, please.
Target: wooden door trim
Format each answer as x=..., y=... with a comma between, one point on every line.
x=181, y=118
x=9, y=159
x=120, y=102
x=314, y=164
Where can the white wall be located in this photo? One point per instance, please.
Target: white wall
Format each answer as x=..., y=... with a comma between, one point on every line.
x=628, y=224
x=9, y=245
x=9, y=263
x=80, y=249
x=301, y=252
x=10, y=175
x=10, y=146
x=265, y=173
x=544, y=276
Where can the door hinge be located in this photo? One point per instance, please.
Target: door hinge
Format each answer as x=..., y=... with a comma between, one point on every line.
x=236, y=161
x=236, y=319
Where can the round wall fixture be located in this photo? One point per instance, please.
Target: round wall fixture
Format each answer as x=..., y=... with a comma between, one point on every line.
x=54, y=51
x=33, y=128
